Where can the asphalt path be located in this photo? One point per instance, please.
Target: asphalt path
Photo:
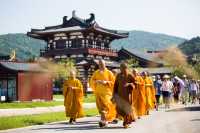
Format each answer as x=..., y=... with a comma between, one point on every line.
x=180, y=120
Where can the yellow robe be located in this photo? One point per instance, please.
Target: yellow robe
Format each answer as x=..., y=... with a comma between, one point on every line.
x=153, y=94
x=149, y=92
x=73, y=98
x=139, y=99
x=104, y=93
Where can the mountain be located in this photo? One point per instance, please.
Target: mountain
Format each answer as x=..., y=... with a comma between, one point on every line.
x=141, y=40
x=191, y=46
x=27, y=47
x=24, y=46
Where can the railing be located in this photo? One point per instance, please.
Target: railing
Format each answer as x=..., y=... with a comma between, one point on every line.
x=92, y=49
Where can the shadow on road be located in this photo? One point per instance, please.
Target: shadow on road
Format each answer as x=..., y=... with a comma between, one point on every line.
x=77, y=123
x=84, y=125
x=196, y=108
x=195, y=120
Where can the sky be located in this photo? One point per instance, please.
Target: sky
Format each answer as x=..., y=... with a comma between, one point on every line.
x=173, y=17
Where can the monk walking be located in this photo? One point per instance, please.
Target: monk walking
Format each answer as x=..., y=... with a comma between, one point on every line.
x=149, y=92
x=122, y=96
x=139, y=99
x=102, y=82
x=73, y=97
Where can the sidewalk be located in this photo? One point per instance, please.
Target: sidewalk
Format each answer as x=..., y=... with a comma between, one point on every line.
x=156, y=122
x=39, y=110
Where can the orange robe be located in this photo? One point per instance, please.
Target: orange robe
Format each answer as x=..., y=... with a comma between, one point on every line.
x=150, y=93
x=139, y=99
x=123, y=97
x=73, y=98
x=103, y=93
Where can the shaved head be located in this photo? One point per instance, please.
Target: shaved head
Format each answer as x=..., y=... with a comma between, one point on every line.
x=102, y=64
x=72, y=74
x=135, y=72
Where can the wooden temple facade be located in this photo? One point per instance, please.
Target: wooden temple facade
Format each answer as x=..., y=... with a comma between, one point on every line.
x=82, y=40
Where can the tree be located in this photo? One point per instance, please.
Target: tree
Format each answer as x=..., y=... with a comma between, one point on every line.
x=64, y=67
x=132, y=62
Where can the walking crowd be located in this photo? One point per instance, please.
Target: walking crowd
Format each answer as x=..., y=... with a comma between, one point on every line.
x=127, y=95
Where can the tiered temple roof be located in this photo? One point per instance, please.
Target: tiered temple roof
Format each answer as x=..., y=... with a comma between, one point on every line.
x=76, y=24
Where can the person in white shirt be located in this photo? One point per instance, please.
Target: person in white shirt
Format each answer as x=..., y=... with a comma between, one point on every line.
x=193, y=90
x=166, y=89
x=181, y=85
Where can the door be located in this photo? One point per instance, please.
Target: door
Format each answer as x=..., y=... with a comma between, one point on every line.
x=3, y=89
x=12, y=95
x=8, y=90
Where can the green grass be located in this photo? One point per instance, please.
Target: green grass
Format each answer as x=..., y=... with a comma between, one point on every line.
x=28, y=120
x=29, y=104
x=58, y=96
x=90, y=98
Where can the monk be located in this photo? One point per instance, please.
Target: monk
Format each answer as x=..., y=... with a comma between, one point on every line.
x=102, y=82
x=148, y=92
x=73, y=97
x=122, y=96
x=153, y=91
x=139, y=100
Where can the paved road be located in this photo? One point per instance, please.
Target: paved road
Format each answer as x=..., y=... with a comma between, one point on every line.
x=175, y=121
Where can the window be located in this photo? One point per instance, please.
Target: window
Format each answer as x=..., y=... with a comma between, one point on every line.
x=60, y=44
x=76, y=43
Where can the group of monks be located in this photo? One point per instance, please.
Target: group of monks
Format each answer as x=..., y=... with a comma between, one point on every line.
x=123, y=96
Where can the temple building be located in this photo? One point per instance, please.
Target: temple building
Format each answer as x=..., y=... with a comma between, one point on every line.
x=82, y=40
x=19, y=82
x=85, y=41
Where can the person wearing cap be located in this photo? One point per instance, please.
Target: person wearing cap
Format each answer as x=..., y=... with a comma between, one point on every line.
x=149, y=94
x=166, y=89
x=157, y=85
x=102, y=82
x=185, y=91
x=139, y=100
x=73, y=97
x=122, y=96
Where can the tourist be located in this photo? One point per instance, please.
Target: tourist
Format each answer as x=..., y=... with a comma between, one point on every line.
x=176, y=90
x=198, y=91
x=181, y=85
x=149, y=92
x=73, y=97
x=166, y=89
x=157, y=85
x=185, y=91
x=122, y=96
x=193, y=90
x=102, y=82
x=139, y=100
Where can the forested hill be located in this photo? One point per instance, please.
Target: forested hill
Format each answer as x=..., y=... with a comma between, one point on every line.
x=27, y=47
x=141, y=40
x=191, y=47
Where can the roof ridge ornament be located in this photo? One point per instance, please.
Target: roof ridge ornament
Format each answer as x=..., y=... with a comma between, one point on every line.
x=74, y=13
x=91, y=19
x=64, y=19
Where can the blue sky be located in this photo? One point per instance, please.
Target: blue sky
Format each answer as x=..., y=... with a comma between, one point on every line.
x=174, y=17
